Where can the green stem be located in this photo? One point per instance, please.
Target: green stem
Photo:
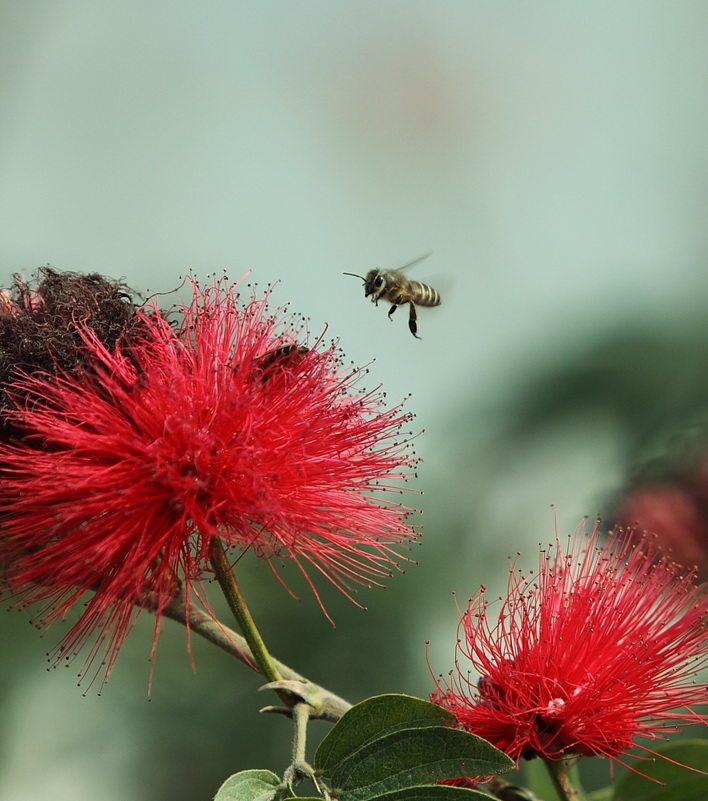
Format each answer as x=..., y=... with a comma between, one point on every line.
x=559, y=770
x=237, y=604
x=301, y=716
x=299, y=768
x=331, y=706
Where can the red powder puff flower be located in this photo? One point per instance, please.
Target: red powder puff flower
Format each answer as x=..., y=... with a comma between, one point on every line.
x=218, y=426
x=675, y=509
x=675, y=515
x=585, y=657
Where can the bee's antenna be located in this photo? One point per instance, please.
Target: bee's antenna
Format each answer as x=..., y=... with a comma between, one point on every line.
x=356, y=276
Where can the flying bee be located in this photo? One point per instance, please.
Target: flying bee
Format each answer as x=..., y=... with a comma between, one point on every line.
x=393, y=286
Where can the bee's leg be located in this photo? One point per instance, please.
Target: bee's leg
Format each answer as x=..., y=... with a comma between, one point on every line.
x=393, y=308
x=412, y=320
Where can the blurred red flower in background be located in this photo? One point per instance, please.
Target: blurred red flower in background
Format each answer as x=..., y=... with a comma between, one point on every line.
x=596, y=650
x=675, y=509
x=219, y=425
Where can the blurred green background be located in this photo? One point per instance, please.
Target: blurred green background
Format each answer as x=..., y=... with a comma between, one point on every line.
x=553, y=157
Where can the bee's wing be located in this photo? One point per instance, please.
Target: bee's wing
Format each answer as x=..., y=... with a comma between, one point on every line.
x=415, y=261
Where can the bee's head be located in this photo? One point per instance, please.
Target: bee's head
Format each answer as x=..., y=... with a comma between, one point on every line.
x=374, y=283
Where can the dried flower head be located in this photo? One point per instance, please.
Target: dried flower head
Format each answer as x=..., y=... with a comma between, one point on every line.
x=219, y=425
x=41, y=321
x=596, y=650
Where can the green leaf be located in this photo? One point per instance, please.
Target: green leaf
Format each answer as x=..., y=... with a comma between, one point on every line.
x=249, y=785
x=372, y=718
x=433, y=792
x=409, y=757
x=677, y=781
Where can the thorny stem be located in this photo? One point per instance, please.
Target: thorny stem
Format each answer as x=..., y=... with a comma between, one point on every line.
x=292, y=689
x=237, y=604
x=559, y=771
x=330, y=707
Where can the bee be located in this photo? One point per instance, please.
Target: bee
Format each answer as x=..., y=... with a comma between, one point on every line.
x=393, y=286
x=283, y=357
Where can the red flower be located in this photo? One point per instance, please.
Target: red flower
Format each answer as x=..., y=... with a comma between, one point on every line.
x=675, y=515
x=221, y=427
x=593, y=652
x=675, y=509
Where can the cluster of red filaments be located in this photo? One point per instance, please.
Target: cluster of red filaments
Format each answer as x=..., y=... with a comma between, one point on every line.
x=221, y=421
x=597, y=649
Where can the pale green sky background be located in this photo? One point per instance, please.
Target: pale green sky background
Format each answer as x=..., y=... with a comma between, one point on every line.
x=552, y=155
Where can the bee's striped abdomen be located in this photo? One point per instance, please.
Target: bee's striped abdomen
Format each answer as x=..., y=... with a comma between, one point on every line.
x=423, y=295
